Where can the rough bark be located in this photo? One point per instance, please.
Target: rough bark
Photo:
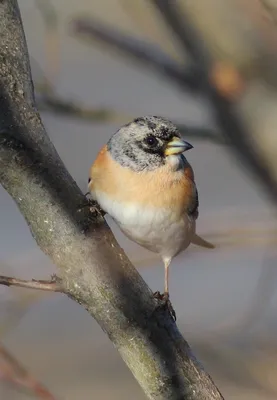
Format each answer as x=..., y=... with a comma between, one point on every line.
x=93, y=269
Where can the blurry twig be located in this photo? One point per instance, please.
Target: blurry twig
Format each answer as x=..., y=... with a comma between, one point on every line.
x=146, y=53
x=216, y=78
x=245, y=367
x=251, y=317
x=70, y=108
x=48, y=13
x=271, y=8
x=143, y=52
x=64, y=107
x=11, y=371
x=142, y=16
x=13, y=309
x=48, y=285
x=200, y=133
x=52, y=44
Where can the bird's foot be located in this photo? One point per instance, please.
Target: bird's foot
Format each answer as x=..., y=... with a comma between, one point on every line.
x=165, y=304
x=92, y=205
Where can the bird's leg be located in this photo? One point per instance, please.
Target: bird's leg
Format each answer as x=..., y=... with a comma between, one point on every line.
x=166, y=269
x=93, y=206
x=163, y=299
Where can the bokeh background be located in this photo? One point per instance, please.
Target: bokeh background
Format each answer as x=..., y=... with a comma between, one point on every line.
x=225, y=299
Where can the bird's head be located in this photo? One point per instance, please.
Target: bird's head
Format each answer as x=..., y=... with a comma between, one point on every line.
x=147, y=143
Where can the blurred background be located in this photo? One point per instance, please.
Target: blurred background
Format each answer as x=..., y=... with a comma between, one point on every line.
x=225, y=299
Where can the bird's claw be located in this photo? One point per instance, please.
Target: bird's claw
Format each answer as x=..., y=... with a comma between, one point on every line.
x=93, y=207
x=164, y=303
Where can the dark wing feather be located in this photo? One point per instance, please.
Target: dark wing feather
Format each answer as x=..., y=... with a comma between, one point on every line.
x=194, y=204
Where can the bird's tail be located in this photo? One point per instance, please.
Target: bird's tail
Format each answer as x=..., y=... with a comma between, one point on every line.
x=202, y=242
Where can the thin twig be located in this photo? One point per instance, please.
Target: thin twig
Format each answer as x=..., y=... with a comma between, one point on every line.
x=227, y=117
x=47, y=285
x=13, y=372
x=142, y=51
x=70, y=108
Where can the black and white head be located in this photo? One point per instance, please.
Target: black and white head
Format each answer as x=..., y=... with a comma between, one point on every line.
x=147, y=143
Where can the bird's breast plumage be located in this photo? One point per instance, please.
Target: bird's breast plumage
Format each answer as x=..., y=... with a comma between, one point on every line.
x=150, y=207
x=159, y=188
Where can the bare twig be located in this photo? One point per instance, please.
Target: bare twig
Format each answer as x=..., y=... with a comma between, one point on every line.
x=271, y=9
x=13, y=372
x=50, y=285
x=70, y=109
x=142, y=17
x=236, y=123
x=141, y=51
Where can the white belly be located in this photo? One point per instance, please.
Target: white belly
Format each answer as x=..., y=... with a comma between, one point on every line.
x=156, y=229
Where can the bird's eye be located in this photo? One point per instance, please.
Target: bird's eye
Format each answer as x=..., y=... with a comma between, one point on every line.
x=151, y=140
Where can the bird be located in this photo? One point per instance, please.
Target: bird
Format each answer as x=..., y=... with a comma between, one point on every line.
x=142, y=179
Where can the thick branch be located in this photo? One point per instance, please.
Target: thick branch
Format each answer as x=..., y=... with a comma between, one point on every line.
x=93, y=269
x=50, y=286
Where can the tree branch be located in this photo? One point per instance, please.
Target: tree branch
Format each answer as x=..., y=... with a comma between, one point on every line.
x=50, y=285
x=238, y=75
x=93, y=269
x=70, y=109
x=145, y=53
x=12, y=371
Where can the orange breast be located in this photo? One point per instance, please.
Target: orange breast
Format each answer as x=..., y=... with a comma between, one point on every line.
x=161, y=188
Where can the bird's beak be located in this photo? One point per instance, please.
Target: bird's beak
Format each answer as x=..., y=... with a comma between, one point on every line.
x=177, y=146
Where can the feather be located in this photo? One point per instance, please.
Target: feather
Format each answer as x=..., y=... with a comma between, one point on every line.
x=198, y=241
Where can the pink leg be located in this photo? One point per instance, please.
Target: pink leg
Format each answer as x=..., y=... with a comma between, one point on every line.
x=166, y=283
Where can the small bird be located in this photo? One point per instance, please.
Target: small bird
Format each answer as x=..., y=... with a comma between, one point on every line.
x=144, y=182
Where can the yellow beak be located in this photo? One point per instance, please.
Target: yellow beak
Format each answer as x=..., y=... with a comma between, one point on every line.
x=177, y=146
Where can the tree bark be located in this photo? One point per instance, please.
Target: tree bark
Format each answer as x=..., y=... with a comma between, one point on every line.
x=92, y=268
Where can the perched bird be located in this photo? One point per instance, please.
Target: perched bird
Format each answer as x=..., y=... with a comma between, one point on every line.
x=143, y=181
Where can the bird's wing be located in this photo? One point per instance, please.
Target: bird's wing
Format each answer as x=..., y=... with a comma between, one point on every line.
x=194, y=203
x=193, y=211
x=198, y=241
